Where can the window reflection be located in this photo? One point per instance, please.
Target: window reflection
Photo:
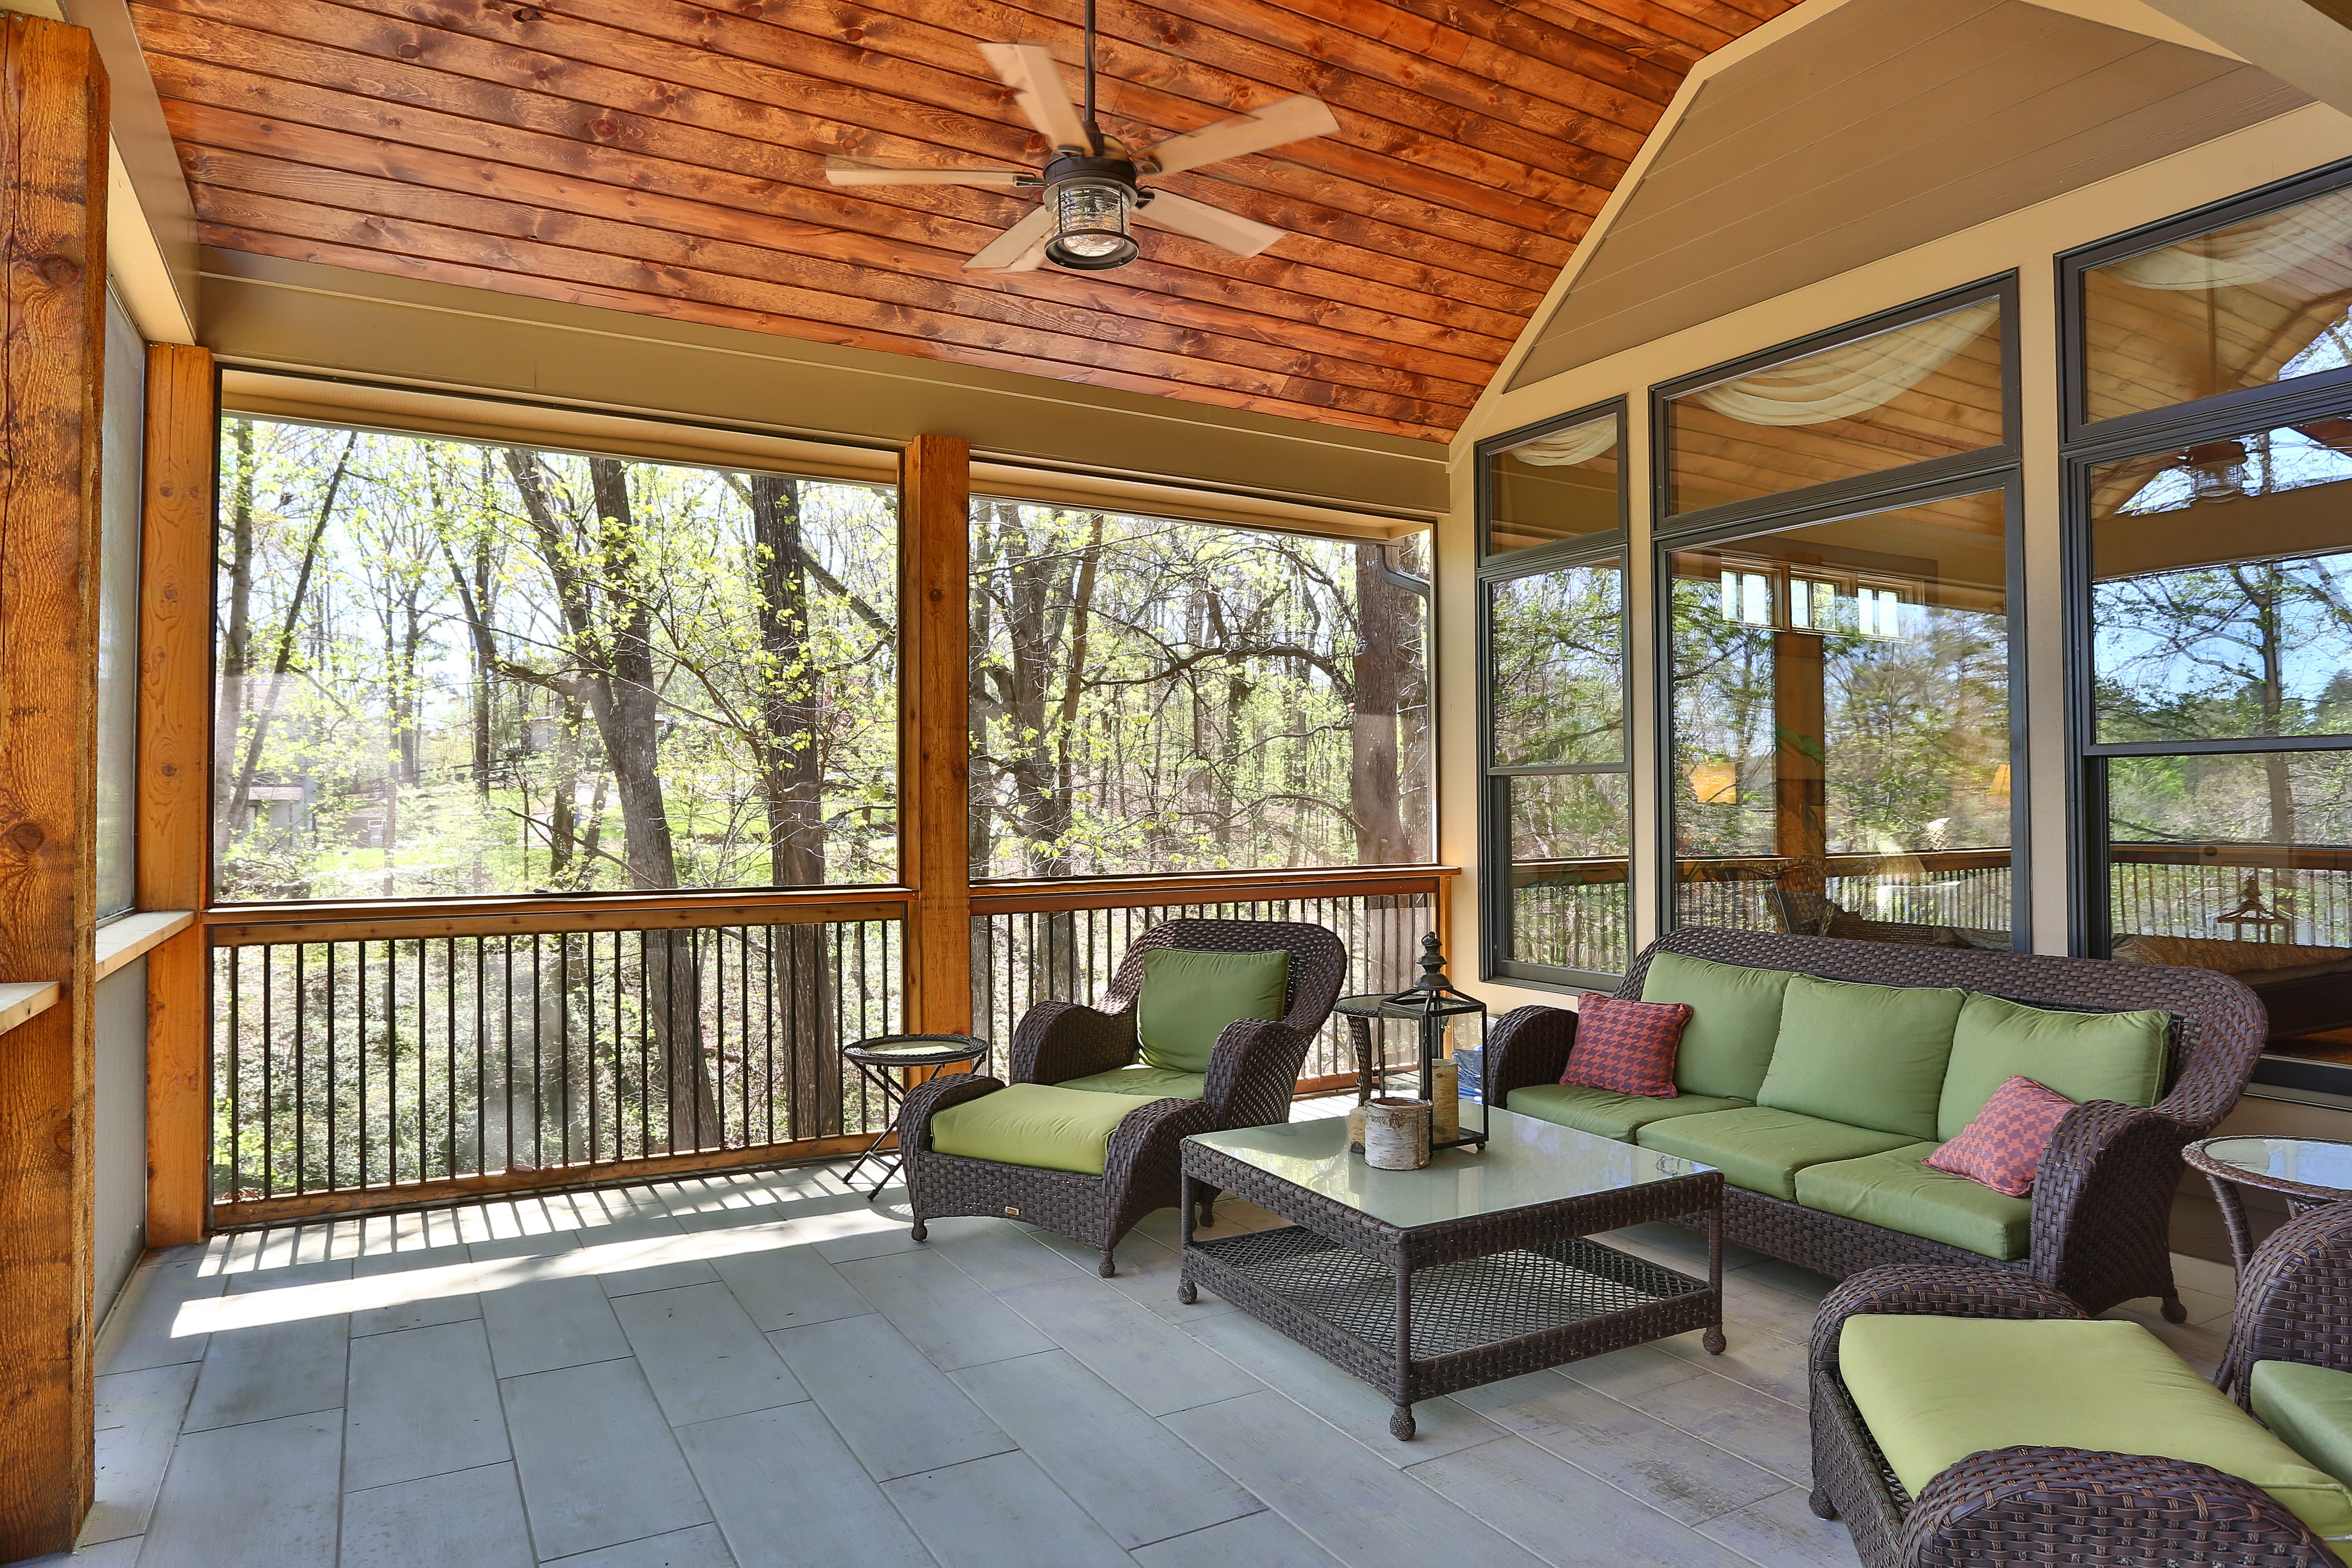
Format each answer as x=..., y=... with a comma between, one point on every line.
x=1923, y=390
x=2249, y=304
x=2221, y=595
x=1568, y=835
x=1558, y=643
x=1841, y=727
x=2242, y=863
x=1559, y=486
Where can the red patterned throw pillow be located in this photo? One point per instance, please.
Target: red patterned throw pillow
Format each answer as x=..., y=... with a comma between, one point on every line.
x=2002, y=1147
x=1624, y=1045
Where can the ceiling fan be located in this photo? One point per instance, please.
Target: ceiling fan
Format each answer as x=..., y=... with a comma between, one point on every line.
x=1090, y=180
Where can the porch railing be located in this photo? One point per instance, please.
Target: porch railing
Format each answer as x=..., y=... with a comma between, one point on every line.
x=359, y=1065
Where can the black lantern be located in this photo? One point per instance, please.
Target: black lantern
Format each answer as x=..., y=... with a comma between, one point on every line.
x=1430, y=1004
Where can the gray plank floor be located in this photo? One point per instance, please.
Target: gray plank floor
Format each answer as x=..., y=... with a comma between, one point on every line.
x=766, y=1370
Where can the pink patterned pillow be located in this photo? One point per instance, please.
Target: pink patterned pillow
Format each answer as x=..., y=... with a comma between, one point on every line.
x=2003, y=1145
x=1624, y=1045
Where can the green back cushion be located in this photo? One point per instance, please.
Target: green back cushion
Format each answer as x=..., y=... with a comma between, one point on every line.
x=1869, y=1055
x=1935, y=1390
x=1735, y=1017
x=1188, y=998
x=1034, y=1124
x=2082, y=1056
x=2308, y=1407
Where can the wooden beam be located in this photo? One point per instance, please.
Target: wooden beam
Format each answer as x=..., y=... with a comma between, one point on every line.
x=174, y=748
x=52, y=169
x=934, y=766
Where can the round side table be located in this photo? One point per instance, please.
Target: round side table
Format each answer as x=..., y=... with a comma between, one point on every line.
x=879, y=1061
x=2309, y=1173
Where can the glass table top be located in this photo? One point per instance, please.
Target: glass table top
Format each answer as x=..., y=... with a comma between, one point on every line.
x=2314, y=1162
x=916, y=1049
x=1526, y=1162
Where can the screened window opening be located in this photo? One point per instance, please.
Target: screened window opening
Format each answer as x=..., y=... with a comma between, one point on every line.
x=1927, y=389
x=1554, y=487
x=1149, y=695
x=2254, y=301
x=1841, y=727
x=447, y=669
x=1559, y=768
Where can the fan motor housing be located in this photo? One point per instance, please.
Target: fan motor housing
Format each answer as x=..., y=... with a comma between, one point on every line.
x=1092, y=198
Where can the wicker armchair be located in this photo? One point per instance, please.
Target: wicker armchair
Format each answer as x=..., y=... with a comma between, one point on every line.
x=2102, y=1206
x=1253, y=1074
x=2057, y=1506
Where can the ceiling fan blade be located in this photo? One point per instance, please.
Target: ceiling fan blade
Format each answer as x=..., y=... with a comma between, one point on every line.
x=1228, y=231
x=1009, y=251
x=1029, y=70
x=1288, y=120
x=883, y=172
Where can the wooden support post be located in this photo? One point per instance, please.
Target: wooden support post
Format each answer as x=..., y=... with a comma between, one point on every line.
x=934, y=517
x=53, y=120
x=175, y=752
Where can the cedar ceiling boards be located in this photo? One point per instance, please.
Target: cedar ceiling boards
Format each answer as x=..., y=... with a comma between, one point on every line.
x=1881, y=126
x=665, y=157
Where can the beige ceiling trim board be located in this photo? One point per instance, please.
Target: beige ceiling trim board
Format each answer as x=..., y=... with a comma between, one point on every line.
x=504, y=421
x=2295, y=41
x=1272, y=514
x=263, y=312
x=1881, y=126
x=148, y=164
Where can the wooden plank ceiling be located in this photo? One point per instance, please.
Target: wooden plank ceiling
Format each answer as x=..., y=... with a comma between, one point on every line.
x=666, y=157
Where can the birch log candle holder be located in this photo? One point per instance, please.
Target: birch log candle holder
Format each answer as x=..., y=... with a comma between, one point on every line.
x=1396, y=1134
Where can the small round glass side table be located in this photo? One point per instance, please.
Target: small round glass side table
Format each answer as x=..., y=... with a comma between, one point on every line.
x=2309, y=1173
x=879, y=1061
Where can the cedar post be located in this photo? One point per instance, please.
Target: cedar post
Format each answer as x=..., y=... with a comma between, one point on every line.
x=52, y=127
x=175, y=767
x=934, y=518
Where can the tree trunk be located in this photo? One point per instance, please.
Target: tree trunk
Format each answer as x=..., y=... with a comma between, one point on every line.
x=792, y=766
x=1380, y=671
x=236, y=639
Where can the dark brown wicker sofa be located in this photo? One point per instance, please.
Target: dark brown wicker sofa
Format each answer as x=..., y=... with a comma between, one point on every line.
x=2101, y=1208
x=2033, y=1503
x=1252, y=1076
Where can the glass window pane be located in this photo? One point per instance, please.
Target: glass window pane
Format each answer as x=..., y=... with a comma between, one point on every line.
x=1569, y=837
x=2250, y=303
x=2242, y=863
x=450, y=668
x=2222, y=588
x=1560, y=485
x=121, y=502
x=1841, y=727
x=1928, y=389
x=1149, y=695
x=1556, y=646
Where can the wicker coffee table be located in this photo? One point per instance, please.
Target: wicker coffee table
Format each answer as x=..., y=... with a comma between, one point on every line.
x=1477, y=1269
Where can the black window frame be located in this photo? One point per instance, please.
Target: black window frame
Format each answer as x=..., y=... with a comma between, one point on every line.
x=2002, y=287
x=2090, y=892
x=1493, y=814
x=2151, y=426
x=1937, y=478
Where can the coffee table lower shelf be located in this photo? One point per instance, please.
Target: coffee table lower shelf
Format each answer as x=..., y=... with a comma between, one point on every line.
x=1474, y=1321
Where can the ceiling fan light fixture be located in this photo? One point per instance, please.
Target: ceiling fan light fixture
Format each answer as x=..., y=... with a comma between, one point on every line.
x=1090, y=224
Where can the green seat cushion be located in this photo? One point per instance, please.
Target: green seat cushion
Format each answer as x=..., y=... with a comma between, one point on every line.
x=1150, y=1082
x=1188, y=998
x=1935, y=1390
x=1038, y=1124
x=1762, y=1148
x=1735, y=1017
x=1605, y=1111
x=2082, y=1056
x=2310, y=1409
x=1897, y=1191
x=1869, y=1055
